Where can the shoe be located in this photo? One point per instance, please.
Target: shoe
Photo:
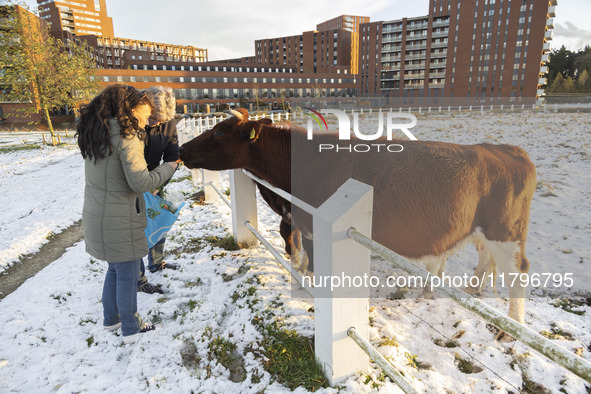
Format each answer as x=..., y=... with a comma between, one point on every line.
x=164, y=266
x=149, y=288
x=114, y=327
x=134, y=337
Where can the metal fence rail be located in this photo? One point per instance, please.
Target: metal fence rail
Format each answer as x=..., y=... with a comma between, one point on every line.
x=381, y=361
x=554, y=352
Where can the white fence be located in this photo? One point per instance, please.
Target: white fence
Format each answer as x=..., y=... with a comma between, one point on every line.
x=342, y=242
x=188, y=128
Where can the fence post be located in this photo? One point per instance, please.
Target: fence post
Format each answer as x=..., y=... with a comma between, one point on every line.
x=337, y=257
x=211, y=179
x=244, y=208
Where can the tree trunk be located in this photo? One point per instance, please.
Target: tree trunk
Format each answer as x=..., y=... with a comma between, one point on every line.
x=49, y=125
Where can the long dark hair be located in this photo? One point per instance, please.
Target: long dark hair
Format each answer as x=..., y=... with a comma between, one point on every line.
x=92, y=129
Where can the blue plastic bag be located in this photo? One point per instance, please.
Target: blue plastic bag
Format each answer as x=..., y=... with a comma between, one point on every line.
x=160, y=219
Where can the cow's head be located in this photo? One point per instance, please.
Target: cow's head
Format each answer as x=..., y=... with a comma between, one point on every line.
x=226, y=145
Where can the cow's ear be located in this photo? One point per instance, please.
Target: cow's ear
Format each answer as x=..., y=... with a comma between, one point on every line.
x=251, y=130
x=265, y=121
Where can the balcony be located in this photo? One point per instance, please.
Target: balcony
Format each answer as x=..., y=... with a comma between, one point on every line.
x=548, y=35
x=552, y=11
x=545, y=58
x=389, y=29
x=439, y=44
x=437, y=75
x=391, y=39
x=416, y=46
x=416, y=26
x=543, y=69
x=550, y=23
x=414, y=85
x=546, y=47
x=441, y=23
x=435, y=55
x=540, y=92
x=390, y=58
x=416, y=56
x=415, y=66
x=416, y=36
x=414, y=76
x=440, y=33
x=542, y=81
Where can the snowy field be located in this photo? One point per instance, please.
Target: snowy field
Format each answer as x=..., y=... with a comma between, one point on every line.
x=51, y=335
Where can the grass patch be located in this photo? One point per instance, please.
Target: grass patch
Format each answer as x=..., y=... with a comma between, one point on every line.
x=240, y=273
x=570, y=305
x=289, y=357
x=411, y=360
x=447, y=344
x=16, y=148
x=389, y=342
x=225, y=353
x=181, y=179
x=466, y=366
x=557, y=333
x=227, y=243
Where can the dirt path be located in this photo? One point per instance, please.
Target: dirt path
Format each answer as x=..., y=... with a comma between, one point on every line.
x=16, y=275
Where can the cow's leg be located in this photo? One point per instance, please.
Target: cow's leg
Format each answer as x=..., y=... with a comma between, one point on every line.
x=485, y=266
x=308, y=244
x=510, y=259
x=435, y=265
x=287, y=235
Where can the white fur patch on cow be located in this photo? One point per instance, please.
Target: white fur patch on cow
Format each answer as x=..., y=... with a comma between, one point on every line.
x=492, y=254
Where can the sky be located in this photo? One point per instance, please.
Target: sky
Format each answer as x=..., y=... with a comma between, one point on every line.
x=229, y=29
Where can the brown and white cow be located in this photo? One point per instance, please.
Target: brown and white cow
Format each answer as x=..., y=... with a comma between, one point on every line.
x=429, y=199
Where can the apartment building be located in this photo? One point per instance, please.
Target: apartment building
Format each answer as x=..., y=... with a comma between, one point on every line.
x=87, y=20
x=333, y=47
x=478, y=49
x=79, y=17
x=219, y=85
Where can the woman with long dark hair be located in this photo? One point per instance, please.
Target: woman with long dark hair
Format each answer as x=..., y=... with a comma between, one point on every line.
x=110, y=136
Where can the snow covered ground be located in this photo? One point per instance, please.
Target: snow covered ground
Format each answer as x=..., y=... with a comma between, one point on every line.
x=51, y=332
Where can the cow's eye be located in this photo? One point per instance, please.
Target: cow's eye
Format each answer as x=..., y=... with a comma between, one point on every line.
x=218, y=133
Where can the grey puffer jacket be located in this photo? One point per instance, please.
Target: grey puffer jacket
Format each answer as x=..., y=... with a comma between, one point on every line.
x=114, y=213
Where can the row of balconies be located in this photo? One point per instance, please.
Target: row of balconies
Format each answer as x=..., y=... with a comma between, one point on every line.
x=441, y=44
x=390, y=29
x=390, y=58
x=546, y=47
x=444, y=33
x=414, y=76
x=444, y=22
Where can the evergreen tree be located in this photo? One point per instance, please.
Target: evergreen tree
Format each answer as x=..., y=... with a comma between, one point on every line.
x=583, y=82
x=561, y=61
x=36, y=68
